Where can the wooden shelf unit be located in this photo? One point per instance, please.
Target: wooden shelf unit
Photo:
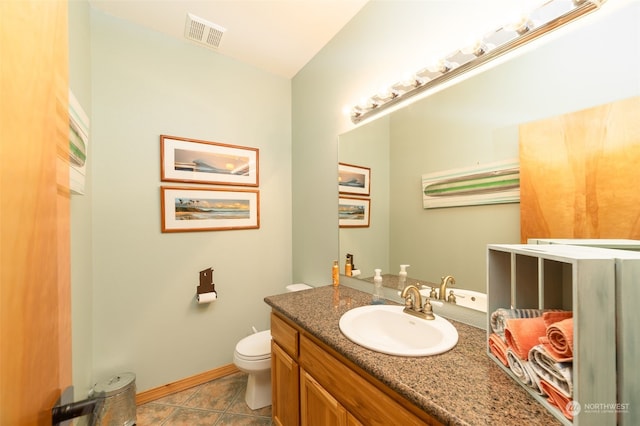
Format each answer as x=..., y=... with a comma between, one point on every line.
x=571, y=278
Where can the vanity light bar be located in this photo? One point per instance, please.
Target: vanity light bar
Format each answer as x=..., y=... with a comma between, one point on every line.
x=546, y=18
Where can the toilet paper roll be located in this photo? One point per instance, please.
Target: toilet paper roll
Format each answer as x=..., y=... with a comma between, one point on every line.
x=207, y=297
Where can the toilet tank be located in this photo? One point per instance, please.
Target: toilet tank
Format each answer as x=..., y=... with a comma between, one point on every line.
x=298, y=287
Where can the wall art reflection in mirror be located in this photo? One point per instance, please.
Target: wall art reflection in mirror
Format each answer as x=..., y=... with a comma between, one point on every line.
x=354, y=179
x=494, y=183
x=192, y=160
x=354, y=212
x=78, y=145
x=209, y=209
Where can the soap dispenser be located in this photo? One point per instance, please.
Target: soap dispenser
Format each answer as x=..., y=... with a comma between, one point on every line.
x=377, y=298
x=402, y=281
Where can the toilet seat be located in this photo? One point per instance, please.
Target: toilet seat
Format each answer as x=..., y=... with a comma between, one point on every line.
x=255, y=347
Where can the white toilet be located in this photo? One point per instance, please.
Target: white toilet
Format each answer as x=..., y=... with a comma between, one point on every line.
x=253, y=356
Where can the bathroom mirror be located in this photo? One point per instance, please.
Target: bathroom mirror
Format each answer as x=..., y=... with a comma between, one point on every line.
x=472, y=123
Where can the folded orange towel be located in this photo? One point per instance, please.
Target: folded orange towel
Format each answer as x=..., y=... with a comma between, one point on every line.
x=560, y=335
x=557, y=398
x=498, y=348
x=555, y=316
x=522, y=334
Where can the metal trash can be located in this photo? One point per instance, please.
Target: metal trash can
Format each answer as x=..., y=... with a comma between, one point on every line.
x=118, y=400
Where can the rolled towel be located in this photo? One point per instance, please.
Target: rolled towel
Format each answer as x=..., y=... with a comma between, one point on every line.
x=551, y=317
x=557, y=374
x=560, y=335
x=523, y=371
x=557, y=399
x=521, y=334
x=544, y=341
x=498, y=348
x=501, y=315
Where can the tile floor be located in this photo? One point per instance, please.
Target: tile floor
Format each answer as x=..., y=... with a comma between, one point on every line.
x=219, y=402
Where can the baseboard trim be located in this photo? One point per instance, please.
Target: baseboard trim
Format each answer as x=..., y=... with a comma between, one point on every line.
x=182, y=384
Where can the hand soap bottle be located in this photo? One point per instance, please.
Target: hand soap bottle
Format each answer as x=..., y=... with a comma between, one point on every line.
x=377, y=298
x=402, y=281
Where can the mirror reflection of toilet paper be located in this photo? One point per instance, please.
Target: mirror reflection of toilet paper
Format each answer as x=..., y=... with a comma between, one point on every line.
x=207, y=297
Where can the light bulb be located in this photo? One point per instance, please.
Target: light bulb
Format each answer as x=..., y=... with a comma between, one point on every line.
x=521, y=26
x=441, y=66
x=477, y=48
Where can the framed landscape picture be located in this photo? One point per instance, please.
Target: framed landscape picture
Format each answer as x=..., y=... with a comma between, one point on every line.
x=205, y=209
x=353, y=179
x=192, y=160
x=353, y=212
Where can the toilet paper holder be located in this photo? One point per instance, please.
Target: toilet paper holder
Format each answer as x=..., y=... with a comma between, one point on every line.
x=206, y=285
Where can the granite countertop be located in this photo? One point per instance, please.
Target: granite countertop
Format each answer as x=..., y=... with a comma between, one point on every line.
x=460, y=387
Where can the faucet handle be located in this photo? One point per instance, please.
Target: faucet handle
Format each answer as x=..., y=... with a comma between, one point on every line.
x=408, y=303
x=433, y=294
x=428, y=310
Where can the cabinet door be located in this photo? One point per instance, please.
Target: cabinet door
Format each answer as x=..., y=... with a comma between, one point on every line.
x=352, y=421
x=285, y=375
x=318, y=407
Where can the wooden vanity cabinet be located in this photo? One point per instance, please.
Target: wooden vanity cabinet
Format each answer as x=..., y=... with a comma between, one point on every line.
x=325, y=389
x=285, y=373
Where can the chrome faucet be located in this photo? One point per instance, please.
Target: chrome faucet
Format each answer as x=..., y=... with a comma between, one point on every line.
x=442, y=295
x=414, y=307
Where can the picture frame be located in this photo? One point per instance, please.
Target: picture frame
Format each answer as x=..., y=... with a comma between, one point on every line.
x=186, y=209
x=354, y=212
x=198, y=161
x=355, y=180
x=492, y=183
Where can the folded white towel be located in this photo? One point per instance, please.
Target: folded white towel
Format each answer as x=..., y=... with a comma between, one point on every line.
x=523, y=371
x=557, y=374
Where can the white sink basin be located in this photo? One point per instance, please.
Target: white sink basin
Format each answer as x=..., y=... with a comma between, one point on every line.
x=386, y=329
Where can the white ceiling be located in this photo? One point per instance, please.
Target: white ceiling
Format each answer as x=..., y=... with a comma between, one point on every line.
x=278, y=36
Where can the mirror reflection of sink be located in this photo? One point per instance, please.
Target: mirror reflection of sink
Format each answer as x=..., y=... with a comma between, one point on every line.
x=465, y=298
x=470, y=299
x=386, y=329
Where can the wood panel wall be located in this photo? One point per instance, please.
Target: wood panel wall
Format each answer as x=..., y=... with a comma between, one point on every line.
x=35, y=321
x=580, y=174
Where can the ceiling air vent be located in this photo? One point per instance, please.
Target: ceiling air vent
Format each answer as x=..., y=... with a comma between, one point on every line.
x=203, y=31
